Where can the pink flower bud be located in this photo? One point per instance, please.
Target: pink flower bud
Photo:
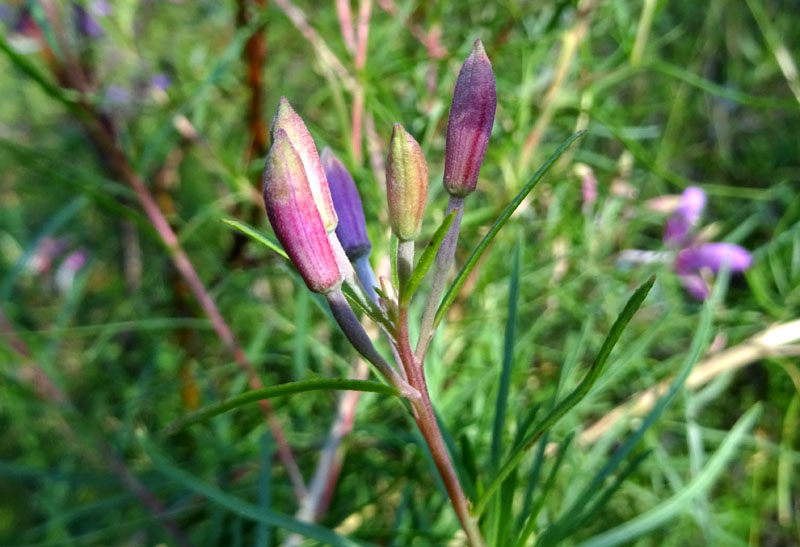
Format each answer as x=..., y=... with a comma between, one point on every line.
x=470, y=123
x=406, y=184
x=288, y=120
x=295, y=218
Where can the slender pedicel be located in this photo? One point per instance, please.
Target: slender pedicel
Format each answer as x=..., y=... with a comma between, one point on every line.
x=355, y=333
x=469, y=127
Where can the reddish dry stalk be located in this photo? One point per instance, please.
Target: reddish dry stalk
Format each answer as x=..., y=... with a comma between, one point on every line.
x=364, y=10
x=346, y=24
x=184, y=266
x=255, y=54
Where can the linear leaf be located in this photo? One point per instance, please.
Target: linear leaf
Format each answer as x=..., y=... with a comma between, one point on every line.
x=546, y=487
x=670, y=508
x=461, y=278
x=426, y=260
x=254, y=234
x=573, y=398
x=508, y=358
x=281, y=390
x=242, y=508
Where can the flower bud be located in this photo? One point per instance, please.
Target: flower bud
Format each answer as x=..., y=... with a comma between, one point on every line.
x=295, y=218
x=406, y=184
x=470, y=123
x=288, y=120
x=352, y=227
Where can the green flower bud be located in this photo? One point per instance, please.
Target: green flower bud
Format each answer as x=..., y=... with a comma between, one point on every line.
x=406, y=184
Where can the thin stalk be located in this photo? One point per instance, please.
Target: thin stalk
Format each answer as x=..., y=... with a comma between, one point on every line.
x=360, y=340
x=366, y=277
x=405, y=262
x=428, y=426
x=444, y=261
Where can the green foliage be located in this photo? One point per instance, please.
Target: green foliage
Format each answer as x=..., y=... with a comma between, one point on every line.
x=692, y=94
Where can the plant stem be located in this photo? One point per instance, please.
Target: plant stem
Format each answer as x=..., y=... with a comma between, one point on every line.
x=426, y=421
x=366, y=277
x=361, y=341
x=444, y=260
x=405, y=262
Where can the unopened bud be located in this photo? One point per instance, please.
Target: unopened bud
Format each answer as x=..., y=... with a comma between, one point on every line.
x=406, y=184
x=470, y=123
x=288, y=120
x=295, y=218
x=352, y=227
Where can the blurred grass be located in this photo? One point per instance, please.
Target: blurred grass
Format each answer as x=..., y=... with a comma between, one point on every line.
x=704, y=101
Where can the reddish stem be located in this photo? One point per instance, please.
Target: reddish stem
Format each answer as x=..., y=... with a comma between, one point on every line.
x=428, y=426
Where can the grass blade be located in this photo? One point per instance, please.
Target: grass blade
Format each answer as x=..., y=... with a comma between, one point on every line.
x=548, y=484
x=426, y=260
x=254, y=234
x=670, y=508
x=573, y=398
x=242, y=508
x=508, y=358
x=281, y=390
x=461, y=278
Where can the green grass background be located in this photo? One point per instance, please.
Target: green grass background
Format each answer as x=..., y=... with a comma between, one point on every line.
x=705, y=103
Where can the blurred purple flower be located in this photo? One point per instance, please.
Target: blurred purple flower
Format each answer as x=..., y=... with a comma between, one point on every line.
x=686, y=216
x=85, y=23
x=160, y=81
x=713, y=256
x=117, y=95
x=693, y=258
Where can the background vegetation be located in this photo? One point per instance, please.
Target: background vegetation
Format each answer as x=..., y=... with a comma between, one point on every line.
x=99, y=356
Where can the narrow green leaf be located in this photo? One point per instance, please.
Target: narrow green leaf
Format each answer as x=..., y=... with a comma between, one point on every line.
x=264, y=490
x=562, y=528
x=461, y=278
x=670, y=508
x=546, y=487
x=699, y=343
x=573, y=398
x=426, y=260
x=281, y=390
x=66, y=96
x=242, y=508
x=254, y=234
x=508, y=358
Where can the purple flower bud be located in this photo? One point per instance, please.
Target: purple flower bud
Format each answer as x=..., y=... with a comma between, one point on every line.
x=713, y=256
x=352, y=227
x=470, y=123
x=406, y=184
x=695, y=285
x=295, y=218
x=288, y=120
x=685, y=217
